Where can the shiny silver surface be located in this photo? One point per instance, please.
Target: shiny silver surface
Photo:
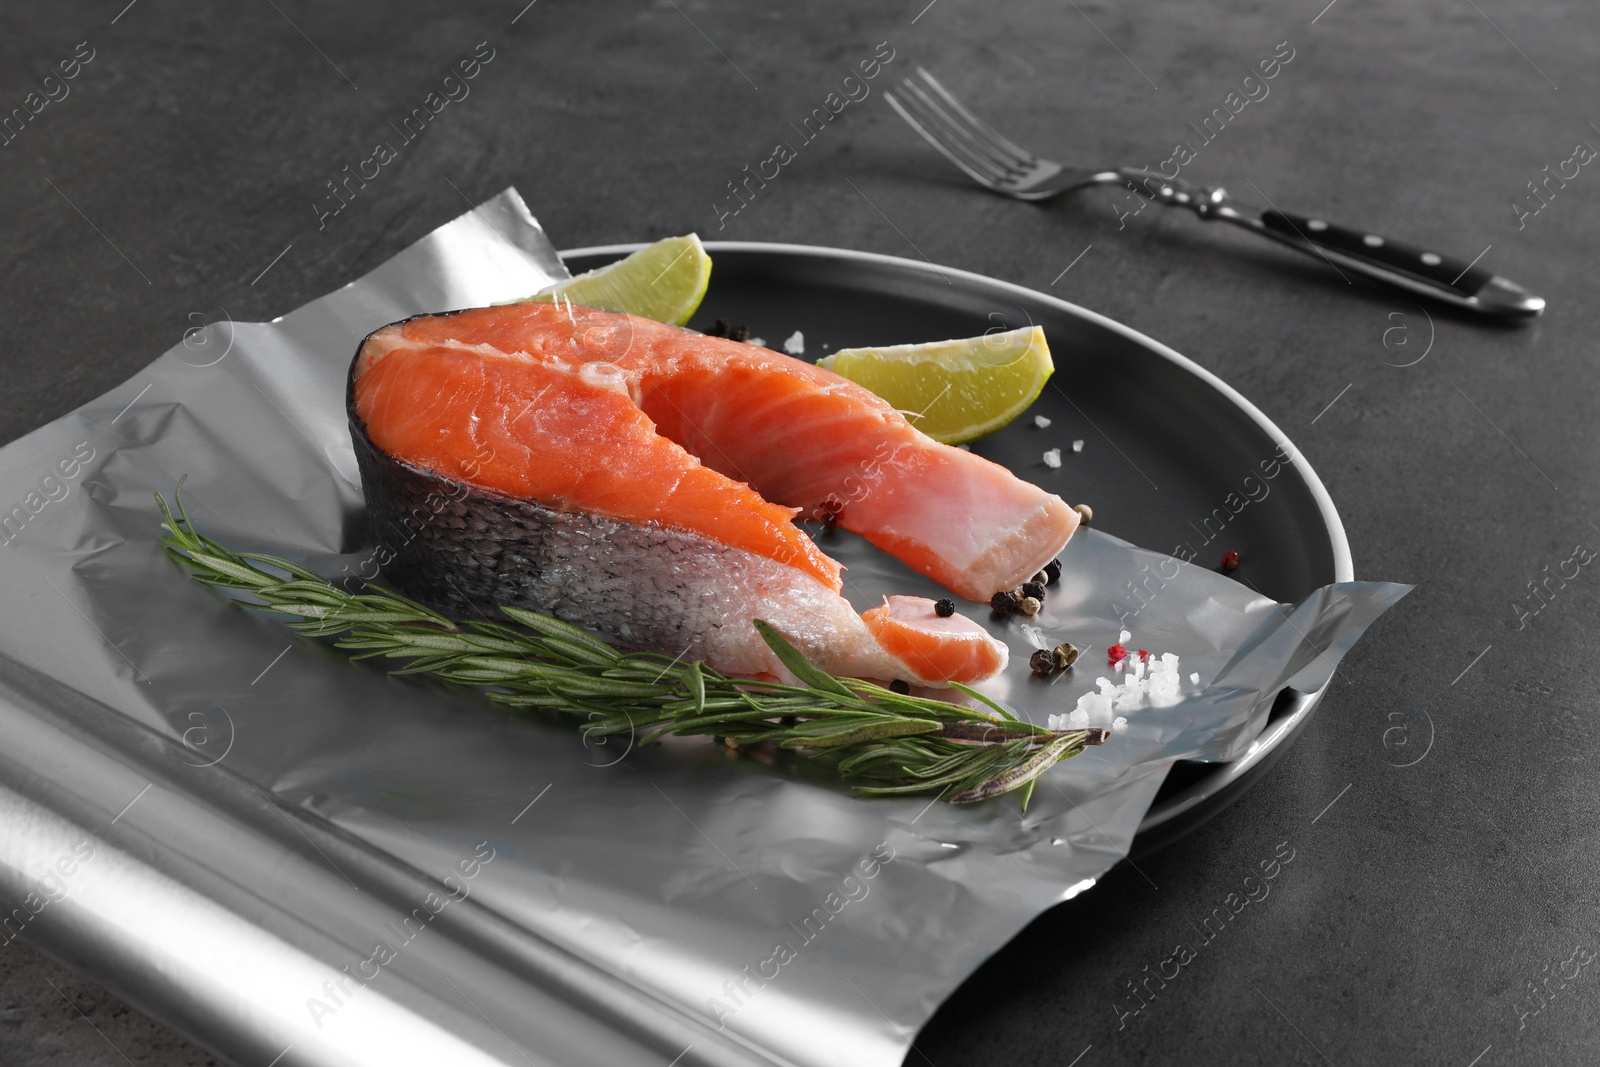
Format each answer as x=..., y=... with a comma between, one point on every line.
x=251, y=819
x=992, y=160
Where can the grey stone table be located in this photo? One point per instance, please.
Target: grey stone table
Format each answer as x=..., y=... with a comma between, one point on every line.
x=1435, y=913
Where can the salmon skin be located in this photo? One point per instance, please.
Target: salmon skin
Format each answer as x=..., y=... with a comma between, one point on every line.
x=641, y=480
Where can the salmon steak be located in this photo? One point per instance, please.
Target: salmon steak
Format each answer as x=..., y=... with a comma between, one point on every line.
x=642, y=481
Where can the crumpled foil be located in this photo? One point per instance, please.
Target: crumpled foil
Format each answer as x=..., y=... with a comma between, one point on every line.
x=770, y=904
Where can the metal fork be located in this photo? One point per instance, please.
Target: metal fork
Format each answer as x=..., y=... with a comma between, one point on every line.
x=997, y=163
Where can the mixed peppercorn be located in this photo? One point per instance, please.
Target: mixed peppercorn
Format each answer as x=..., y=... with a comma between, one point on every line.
x=1027, y=598
x=720, y=328
x=1051, y=660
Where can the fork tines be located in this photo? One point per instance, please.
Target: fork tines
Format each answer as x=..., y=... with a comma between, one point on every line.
x=960, y=136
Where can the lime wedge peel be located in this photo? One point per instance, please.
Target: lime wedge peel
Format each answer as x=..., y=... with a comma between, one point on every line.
x=664, y=281
x=954, y=391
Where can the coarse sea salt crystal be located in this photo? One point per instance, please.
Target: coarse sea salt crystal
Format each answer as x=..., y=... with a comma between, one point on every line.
x=1076, y=719
x=795, y=345
x=1077, y=446
x=759, y=342
x=1041, y=422
x=1194, y=679
x=1152, y=681
x=1120, y=723
x=1091, y=706
x=1052, y=458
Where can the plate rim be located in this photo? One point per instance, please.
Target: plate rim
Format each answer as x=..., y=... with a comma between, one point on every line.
x=1343, y=563
x=1183, y=811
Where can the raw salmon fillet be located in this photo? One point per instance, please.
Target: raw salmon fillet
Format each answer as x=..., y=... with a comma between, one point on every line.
x=642, y=480
x=952, y=647
x=800, y=436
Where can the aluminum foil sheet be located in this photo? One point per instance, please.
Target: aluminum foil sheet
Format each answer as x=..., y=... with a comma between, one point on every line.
x=336, y=866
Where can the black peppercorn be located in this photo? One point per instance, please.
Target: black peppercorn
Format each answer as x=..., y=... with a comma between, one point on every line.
x=1004, y=602
x=944, y=608
x=1052, y=571
x=1033, y=589
x=1042, y=662
x=898, y=686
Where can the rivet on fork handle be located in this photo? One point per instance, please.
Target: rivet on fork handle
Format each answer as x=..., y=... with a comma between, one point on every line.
x=1397, y=263
x=1201, y=199
x=995, y=162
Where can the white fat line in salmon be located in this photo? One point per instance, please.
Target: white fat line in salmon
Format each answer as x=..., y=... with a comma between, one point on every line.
x=55, y=89
x=742, y=192
x=858, y=486
x=411, y=126
x=601, y=511
x=742, y=988
x=411, y=344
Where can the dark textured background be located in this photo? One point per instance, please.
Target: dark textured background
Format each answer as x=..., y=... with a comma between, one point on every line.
x=1419, y=907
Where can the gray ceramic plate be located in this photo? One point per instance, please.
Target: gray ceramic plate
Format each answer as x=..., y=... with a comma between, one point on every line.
x=1165, y=441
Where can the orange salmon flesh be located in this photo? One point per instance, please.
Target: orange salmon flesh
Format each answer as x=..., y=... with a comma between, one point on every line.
x=654, y=427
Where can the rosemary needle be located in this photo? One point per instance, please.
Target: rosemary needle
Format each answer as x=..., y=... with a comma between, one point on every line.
x=883, y=742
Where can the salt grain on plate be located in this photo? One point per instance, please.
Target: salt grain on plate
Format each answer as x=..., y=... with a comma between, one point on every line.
x=759, y=342
x=1194, y=679
x=1145, y=683
x=1077, y=446
x=1052, y=458
x=796, y=344
x=1041, y=422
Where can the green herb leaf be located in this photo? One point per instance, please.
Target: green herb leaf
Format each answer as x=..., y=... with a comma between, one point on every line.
x=886, y=743
x=792, y=658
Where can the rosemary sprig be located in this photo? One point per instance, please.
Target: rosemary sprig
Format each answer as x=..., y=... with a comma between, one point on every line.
x=887, y=743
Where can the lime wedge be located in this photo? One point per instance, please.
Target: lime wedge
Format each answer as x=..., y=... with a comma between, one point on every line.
x=664, y=281
x=954, y=391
